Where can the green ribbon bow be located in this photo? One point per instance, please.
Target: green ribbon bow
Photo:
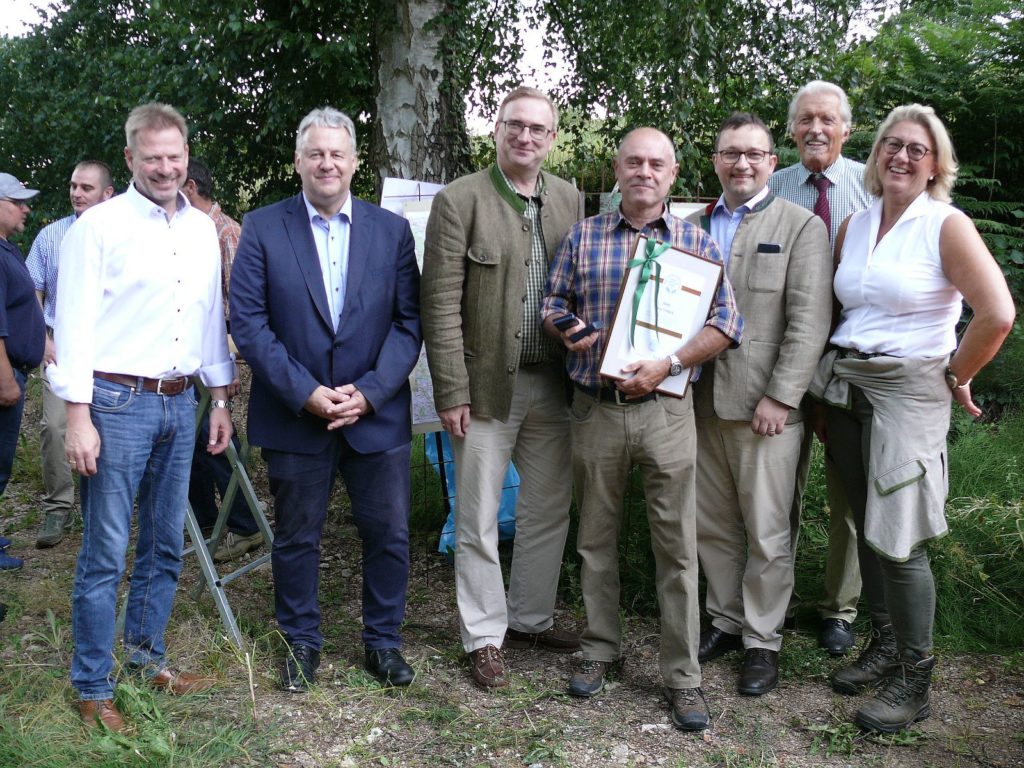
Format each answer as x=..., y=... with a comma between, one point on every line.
x=650, y=264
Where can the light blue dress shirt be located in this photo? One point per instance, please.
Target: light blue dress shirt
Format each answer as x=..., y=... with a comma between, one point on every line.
x=724, y=222
x=332, y=238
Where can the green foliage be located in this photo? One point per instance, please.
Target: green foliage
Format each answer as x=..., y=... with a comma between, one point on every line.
x=962, y=57
x=243, y=74
x=684, y=67
x=979, y=567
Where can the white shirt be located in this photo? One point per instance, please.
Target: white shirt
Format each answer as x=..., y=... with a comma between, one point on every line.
x=139, y=295
x=846, y=195
x=896, y=298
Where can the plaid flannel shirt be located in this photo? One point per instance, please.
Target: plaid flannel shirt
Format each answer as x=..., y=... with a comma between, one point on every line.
x=587, y=272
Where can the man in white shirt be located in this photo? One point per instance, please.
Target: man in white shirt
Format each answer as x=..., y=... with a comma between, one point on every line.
x=91, y=184
x=140, y=315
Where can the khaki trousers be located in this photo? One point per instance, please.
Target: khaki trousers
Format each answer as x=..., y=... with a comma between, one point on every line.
x=745, y=486
x=536, y=437
x=608, y=440
x=842, y=571
x=57, y=480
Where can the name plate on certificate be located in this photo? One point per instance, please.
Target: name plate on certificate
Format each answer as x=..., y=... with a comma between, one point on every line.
x=664, y=301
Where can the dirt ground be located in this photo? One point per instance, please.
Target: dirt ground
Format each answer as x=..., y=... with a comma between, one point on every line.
x=443, y=719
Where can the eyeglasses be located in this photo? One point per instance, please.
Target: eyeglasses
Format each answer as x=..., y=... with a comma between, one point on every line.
x=731, y=156
x=915, y=151
x=537, y=132
x=12, y=201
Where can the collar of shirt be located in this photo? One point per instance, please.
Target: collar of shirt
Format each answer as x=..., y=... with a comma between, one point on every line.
x=834, y=173
x=315, y=217
x=511, y=195
x=657, y=225
x=721, y=207
x=147, y=207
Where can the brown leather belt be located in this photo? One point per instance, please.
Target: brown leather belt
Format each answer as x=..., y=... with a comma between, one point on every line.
x=160, y=386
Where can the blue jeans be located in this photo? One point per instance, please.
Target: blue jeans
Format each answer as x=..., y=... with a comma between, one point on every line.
x=10, y=424
x=145, y=451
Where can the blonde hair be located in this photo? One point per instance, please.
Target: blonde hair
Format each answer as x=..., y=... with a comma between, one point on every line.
x=941, y=184
x=153, y=116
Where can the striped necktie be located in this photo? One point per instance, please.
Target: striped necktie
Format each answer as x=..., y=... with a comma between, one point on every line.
x=821, y=204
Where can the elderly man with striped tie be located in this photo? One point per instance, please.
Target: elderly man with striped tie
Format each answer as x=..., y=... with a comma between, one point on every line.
x=833, y=187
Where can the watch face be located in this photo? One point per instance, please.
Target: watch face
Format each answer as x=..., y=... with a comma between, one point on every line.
x=951, y=379
x=675, y=369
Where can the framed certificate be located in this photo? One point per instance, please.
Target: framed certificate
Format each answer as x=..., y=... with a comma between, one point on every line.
x=664, y=301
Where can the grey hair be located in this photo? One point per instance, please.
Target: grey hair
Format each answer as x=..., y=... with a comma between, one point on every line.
x=325, y=117
x=820, y=86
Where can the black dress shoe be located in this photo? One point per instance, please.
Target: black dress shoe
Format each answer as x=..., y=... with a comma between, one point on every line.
x=299, y=671
x=760, y=671
x=837, y=636
x=388, y=666
x=714, y=642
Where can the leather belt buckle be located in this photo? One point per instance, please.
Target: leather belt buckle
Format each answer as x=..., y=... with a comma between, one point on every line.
x=171, y=387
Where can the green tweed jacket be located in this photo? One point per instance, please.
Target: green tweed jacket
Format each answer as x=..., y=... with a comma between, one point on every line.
x=781, y=270
x=478, y=245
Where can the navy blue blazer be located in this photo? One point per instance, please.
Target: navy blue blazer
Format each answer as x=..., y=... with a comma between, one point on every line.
x=281, y=324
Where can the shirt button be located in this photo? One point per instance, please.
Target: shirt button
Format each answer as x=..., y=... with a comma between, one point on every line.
x=524, y=298
x=525, y=228
x=511, y=369
x=527, y=262
x=519, y=334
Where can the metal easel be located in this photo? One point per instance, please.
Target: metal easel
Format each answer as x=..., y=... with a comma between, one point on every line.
x=202, y=547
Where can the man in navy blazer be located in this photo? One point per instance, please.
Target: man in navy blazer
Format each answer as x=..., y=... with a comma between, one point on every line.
x=324, y=307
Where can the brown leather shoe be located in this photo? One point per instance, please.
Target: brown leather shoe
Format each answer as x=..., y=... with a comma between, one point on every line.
x=488, y=667
x=94, y=713
x=551, y=639
x=180, y=683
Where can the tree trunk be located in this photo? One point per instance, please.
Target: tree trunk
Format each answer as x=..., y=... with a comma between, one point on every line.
x=421, y=129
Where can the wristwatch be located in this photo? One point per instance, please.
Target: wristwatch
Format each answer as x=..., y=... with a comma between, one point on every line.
x=220, y=404
x=953, y=382
x=674, y=366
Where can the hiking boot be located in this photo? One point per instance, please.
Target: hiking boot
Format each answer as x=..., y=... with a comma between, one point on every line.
x=54, y=526
x=487, y=666
x=588, y=678
x=902, y=700
x=234, y=545
x=689, y=708
x=876, y=662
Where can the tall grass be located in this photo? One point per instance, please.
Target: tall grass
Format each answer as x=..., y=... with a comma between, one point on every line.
x=978, y=568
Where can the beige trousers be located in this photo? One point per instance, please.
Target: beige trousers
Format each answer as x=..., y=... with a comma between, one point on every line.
x=745, y=488
x=536, y=437
x=608, y=440
x=57, y=480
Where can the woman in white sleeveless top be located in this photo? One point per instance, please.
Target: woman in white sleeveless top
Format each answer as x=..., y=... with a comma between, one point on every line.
x=905, y=266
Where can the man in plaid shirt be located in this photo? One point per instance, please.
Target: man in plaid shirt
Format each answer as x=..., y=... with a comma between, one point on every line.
x=617, y=427
x=214, y=471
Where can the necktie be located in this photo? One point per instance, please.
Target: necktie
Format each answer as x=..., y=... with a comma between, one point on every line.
x=821, y=204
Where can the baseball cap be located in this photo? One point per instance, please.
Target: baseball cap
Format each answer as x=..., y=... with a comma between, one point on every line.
x=13, y=189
